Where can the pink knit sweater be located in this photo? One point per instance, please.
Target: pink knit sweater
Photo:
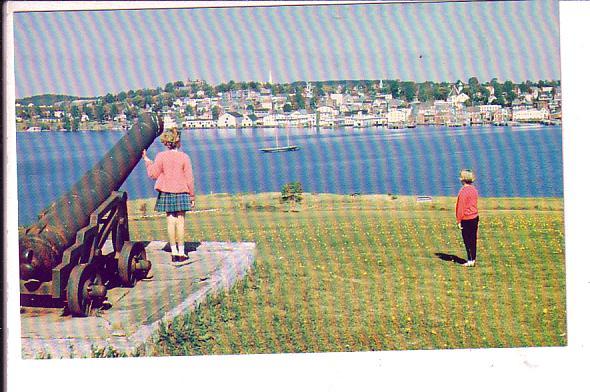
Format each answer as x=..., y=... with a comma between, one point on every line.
x=466, y=207
x=173, y=172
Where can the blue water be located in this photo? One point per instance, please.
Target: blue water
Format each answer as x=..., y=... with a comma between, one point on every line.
x=508, y=161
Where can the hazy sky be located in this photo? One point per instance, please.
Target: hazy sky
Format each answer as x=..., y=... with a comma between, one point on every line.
x=89, y=53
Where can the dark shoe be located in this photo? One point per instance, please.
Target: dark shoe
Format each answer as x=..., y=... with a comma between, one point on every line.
x=182, y=258
x=174, y=258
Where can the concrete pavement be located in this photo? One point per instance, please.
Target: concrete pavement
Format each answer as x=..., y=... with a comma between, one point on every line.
x=135, y=313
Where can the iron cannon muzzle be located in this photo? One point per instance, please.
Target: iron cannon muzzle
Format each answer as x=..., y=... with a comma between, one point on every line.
x=27, y=271
x=32, y=268
x=36, y=258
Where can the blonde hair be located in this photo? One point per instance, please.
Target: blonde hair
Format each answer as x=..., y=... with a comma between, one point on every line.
x=467, y=176
x=171, y=138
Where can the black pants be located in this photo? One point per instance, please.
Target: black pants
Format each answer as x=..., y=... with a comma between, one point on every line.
x=469, y=233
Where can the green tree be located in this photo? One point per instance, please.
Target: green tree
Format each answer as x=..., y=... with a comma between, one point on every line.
x=394, y=88
x=89, y=112
x=313, y=102
x=498, y=92
x=209, y=90
x=100, y=112
x=292, y=193
x=508, y=86
x=75, y=111
x=138, y=101
x=473, y=86
x=409, y=90
x=511, y=96
x=485, y=94
x=215, y=111
x=113, y=111
x=109, y=98
x=149, y=99
x=425, y=92
x=299, y=101
x=441, y=92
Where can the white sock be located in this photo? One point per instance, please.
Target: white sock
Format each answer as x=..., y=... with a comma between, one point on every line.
x=174, y=249
x=181, y=249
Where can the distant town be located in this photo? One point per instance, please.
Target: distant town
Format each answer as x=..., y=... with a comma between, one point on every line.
x=194, y=104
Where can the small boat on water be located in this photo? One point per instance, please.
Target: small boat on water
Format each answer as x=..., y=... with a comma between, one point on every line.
x=278, y=148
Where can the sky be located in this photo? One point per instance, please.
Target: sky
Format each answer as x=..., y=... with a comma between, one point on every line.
x=89, y=53
x=549, y=368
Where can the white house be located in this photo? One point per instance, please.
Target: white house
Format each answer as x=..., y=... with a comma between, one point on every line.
x=251, y=120
x=199, y=123
x=488, y=109
x=338, y=99
x=398, y=115
x=270, y=121
x=528, y=115
x=230, y=120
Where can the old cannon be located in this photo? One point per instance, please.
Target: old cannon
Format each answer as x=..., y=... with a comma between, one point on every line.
x=63, y=255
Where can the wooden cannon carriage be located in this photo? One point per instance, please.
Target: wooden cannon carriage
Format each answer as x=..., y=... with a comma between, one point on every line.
x=63, y=257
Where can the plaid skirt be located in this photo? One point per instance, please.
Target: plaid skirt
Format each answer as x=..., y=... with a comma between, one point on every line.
x=173, y=202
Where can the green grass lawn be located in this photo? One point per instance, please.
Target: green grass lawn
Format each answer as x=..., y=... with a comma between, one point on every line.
x=362, y=273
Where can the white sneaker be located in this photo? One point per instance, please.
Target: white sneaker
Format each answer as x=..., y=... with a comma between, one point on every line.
x=470, y=263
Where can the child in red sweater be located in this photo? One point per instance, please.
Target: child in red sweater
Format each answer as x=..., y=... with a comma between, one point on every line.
x=467, y=215
x=173, y=173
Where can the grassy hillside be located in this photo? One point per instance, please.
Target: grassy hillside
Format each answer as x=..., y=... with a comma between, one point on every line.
x=46, y=99
x=372, y=273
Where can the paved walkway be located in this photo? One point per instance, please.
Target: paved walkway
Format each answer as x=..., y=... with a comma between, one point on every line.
x=137, y=312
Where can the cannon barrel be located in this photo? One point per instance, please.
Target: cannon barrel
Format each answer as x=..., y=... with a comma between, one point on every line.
x=42, y=244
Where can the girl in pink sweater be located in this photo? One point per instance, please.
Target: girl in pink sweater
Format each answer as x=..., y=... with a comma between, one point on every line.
x=467, y=214
x=173, y=173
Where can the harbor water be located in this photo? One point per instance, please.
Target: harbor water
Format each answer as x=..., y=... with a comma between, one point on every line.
x=508, y=161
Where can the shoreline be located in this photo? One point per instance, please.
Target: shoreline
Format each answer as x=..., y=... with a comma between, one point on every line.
x=95, y=128
x=269, y=202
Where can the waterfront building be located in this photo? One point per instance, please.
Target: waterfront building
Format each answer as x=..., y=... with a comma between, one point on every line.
x=198, y=123
x=337, y=99
x=269, y=120
x=398, y=116
x=530, y=115
x=501, y=116
x=230, y=120
x=249, y=121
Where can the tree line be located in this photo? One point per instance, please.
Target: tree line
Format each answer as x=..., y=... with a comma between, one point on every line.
x=107, y=107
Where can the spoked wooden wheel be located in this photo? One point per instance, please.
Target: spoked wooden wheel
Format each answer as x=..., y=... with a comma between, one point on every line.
x=131, y=263
x=85, y=290
x=119, y=238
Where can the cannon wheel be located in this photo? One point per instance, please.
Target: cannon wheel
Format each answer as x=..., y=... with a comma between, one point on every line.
x=131, y=253
x=85, y=290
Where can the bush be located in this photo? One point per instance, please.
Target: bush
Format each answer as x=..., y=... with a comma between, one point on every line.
x=292, y=193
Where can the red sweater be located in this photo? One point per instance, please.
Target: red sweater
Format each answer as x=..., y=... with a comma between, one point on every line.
x=173, y=172
x=466, y=207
